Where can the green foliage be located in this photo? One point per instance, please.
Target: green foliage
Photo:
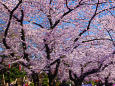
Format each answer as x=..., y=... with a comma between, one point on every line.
x=13, y=73
x=69, y=82
x=45, y=81
x=93, y=82
x=58, y=83
x=44, y=75
x=31, y=84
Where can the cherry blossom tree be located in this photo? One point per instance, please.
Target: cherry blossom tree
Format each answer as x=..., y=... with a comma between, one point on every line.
x=59, y=36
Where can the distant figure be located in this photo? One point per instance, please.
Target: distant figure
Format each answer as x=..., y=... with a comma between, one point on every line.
x=100, y=83
x=35, y=78
x=64, y=83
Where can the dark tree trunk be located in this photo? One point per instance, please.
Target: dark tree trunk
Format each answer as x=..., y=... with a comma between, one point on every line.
x=8, y=78
x=50, y=82
x=51, y=75
x=78, y=82
x=35, y=79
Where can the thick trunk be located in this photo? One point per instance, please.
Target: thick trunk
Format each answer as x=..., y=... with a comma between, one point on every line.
x=78, y=82
x=8, y=78
x=108, y=84
x=35, y=79
x=51, y=75
x=50, y=81
x=36, y=83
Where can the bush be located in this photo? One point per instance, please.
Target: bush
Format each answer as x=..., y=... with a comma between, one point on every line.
x=13, y=73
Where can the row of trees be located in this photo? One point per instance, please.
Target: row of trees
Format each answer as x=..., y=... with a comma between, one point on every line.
x=71, y=39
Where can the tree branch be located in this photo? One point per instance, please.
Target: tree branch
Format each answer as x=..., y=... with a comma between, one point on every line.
x=95, y=14
x=67, y=5
x=8, y=25
x=106, y=65
x=37, y=24
x=47, y=50
x=57, y=67
x=105, y=10
x=66, y=13
x=70, y=75
x=96, y=39
x=10, y=12
x=50, y=20
x=89, y=23
x=23, y=37
x=92, y=71
x=50, y=1
x=110, y=37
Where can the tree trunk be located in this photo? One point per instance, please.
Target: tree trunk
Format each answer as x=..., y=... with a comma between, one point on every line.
x=35, y=79
x=50, y=81
x=78, y=82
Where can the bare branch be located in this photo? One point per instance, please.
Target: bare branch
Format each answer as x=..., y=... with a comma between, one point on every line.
x=67, y=4
x=95, y=14
x=47, y=50
x=105, y=10
x=70, y=75
x=110, y=37
x=111, y=13
x=96, y=39
x=10, y=12
x=96, y=3
x=23, y=37
x=106, y=65
x=50, y=1
x=89, y=23
x=37, y=24
x=66, y=13
x=92, y=71
x=8, y=25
